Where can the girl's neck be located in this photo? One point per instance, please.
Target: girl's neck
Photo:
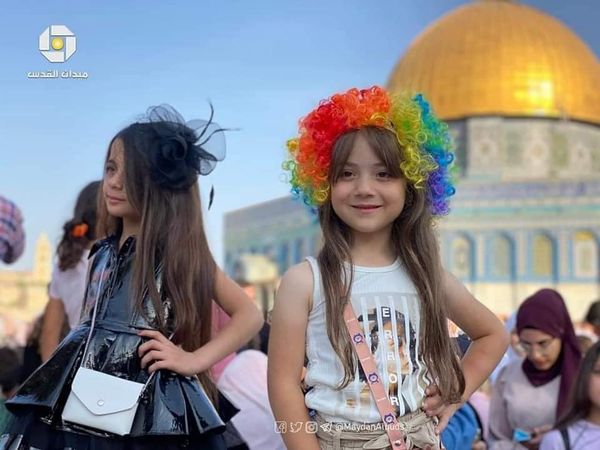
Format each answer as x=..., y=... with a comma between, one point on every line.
x=594, y=415
x=130, y=228
x=370, y=250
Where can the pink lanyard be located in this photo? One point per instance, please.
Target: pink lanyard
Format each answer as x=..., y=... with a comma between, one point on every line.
x=384, y=406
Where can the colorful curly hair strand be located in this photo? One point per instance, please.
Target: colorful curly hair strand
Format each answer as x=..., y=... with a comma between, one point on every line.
x=423, y=138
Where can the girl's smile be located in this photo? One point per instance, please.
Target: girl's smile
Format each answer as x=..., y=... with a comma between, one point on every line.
x=367, y=208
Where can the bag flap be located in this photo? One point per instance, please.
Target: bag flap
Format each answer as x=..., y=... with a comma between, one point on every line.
x=105, y=394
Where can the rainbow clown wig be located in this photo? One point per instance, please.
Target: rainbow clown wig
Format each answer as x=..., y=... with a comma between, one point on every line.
x=423, y=138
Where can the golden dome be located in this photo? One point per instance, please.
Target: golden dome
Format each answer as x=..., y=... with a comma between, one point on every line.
x=497, y=57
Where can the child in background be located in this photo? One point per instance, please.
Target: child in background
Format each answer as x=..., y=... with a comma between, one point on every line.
x=67, y=286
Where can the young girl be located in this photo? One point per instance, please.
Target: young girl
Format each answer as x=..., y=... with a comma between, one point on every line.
x=376, y=168
x=579, y=427
x=67, y=286
x=153, y=279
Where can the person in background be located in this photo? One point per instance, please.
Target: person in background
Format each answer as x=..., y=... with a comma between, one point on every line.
x=67, y=286
x=12, y=234
x=593, y=317
x=530, y=395
x=244, y=383
x=9, y=379
x=579, y=427
x=586, y=340
x=242, y=379
x=465, y=428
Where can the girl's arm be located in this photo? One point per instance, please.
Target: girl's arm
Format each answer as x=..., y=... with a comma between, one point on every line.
x=287, y=348
x=489, y=339
x=52, y=325
x=246, y=321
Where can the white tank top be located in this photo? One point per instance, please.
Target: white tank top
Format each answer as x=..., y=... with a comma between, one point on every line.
x=384, y=299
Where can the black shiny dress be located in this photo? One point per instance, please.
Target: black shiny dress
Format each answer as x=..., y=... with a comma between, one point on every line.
x=174, y=411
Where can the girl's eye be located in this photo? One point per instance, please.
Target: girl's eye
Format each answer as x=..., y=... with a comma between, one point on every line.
x=384, y=175
x=347, y=174
x=109, y=169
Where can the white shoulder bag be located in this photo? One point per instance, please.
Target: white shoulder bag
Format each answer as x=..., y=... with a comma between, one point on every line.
x=99, y=400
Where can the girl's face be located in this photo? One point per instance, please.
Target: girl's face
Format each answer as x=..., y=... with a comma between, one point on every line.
x=366, y=196
x=113, y=186
x=540, y=348
x=595, y=385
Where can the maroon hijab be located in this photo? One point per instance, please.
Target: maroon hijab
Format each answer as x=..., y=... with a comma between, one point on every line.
x=546, y=311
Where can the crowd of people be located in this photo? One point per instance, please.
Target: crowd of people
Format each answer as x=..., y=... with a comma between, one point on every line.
x=144, y=340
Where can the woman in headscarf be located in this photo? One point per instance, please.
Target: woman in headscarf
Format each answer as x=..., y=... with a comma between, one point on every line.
x=530, y=394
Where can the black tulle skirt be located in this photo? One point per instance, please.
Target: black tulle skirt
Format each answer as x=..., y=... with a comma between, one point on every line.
x=174, y=412
x=27, y=432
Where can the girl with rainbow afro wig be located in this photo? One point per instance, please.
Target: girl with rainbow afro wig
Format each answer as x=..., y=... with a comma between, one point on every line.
x=377, y=169
x=423, y=138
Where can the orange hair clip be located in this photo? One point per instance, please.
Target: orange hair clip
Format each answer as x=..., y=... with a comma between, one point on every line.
x=80, y=230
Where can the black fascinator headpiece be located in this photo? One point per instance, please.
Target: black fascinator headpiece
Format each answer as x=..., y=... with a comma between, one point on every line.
x=179, y=151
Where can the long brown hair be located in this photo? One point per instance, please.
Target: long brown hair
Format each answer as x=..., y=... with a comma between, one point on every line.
x=71, y=248
x=172, y=232
x=415, y=244
x=580, y=405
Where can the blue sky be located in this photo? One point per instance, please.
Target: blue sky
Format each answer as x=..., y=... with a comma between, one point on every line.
x=263, y=64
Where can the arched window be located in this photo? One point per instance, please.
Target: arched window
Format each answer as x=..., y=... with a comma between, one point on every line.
x=585, y=252
x=462, y=263
x=502, y=259
x=543, y=256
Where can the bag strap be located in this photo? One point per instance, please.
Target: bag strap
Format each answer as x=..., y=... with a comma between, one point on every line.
x=564, y=432
x=367, y=362
x=94, y=311
x=92, y=325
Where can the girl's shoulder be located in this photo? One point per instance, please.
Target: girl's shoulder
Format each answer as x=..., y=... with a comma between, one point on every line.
x=300, y=274
x=298, y=281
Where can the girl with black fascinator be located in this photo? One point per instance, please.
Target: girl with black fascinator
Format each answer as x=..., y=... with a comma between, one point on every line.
x=134, y=375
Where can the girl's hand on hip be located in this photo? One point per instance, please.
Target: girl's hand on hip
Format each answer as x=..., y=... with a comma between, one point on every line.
x=448, y=411
x=435, y=407
x=160, y=353
x=433, y=403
